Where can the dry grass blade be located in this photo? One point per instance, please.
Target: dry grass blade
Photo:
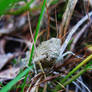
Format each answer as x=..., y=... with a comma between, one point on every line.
x=66, y=17
x=73, y=30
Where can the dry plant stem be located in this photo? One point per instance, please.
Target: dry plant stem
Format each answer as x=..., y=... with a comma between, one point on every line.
x=28, y=88
x=77, y=85
x=66, y=17
x=87, y=10
x=35, y=86
x=62, y=86
x=56, y=22
x=45, y=86
x=35, y=48
x=83, y=84
x=48, y=35
x=79, y=34
x=71, y=33
x=42, y=32
x=15, y=39
x=29, y=23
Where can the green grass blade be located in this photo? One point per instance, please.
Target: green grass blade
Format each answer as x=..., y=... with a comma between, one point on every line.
x=37, y=30
x=22, y=9
x=77, y=67
x=65, y=82
x=5, y=5
x=13, y=82
x=35, y=37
